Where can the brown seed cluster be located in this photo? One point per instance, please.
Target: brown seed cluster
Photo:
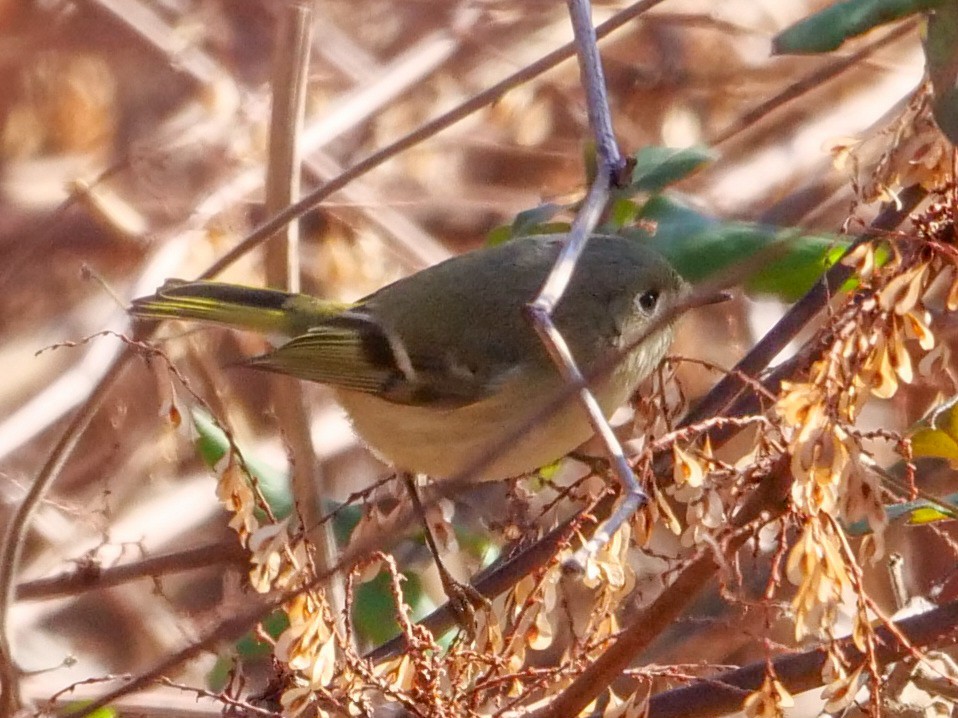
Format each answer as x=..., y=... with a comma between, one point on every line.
x=877, y=338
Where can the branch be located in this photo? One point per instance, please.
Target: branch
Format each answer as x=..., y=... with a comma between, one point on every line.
x=770, y=496
x=434, y=127
x=799, y=314
x=540, y=310
x=87, y=577
x=725, y=692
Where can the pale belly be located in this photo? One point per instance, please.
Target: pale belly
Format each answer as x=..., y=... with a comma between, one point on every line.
x=442, y=443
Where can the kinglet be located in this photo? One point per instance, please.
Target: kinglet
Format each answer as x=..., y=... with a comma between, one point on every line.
x=436, y=369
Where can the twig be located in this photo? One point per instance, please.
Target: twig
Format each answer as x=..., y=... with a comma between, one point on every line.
x=283, y=176
x=649, y=623
x=724, y=693
x=89, y=577
x=433, y=127
x=609, y=161
x=810, y=82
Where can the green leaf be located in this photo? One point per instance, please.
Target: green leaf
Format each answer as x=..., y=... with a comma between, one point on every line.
x=528, y=220
x=941, y=57
x=934, y=443
x=918, y=512
x=700, y=246
x=827, y=29
x=928, y=515
x=527, y=223
x=623, y=212
x=936, y=436
x=212, y=446
x=103, y=712
x=218, y=676
x=658, y=167
x=374, y=607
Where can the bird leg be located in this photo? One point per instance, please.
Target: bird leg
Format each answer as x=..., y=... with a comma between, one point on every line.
x=464, y=599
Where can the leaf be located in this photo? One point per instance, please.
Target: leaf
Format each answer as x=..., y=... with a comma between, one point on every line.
x=529, y=222
x=941, y=58
x=374, y=608
x=918, y=512
x=827, y=29
x=212, y=446
x=937, y=436
x=700, y=246
x=934, y=443
x=927, y=515
x=658, y=167
x=102, y=712
x=526, y=221
x=622, y=212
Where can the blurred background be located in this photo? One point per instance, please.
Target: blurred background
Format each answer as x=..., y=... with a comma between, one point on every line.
x=133, y=140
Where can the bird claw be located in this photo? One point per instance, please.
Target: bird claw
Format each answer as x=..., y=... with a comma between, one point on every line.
x=464, y=603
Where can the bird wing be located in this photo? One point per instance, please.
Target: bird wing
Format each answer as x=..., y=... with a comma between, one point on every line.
x=353, y=351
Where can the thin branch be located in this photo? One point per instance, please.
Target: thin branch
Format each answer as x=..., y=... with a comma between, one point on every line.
x=593, y=81
x=434, y=127
x=725, y=692
x=648, y=624
x=811, y=82
x=283, y=178
x=609, y=161
x=283, y=169
x=90, y=577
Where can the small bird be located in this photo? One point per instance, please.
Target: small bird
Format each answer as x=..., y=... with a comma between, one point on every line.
x=436, y=369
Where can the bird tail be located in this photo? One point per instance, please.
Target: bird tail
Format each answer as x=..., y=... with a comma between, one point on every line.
x=267, y=311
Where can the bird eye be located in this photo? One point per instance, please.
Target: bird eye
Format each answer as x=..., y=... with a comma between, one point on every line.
x=648, y=300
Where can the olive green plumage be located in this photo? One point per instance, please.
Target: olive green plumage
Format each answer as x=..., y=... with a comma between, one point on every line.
x=435, y=368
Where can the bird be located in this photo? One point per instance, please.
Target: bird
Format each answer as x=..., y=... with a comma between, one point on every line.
x=438, y=369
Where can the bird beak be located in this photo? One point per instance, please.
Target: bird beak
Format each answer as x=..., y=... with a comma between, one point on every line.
x=718, y=297
x=707, y=299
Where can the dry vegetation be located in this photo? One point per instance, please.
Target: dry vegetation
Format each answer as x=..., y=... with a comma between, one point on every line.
x=134, y=147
